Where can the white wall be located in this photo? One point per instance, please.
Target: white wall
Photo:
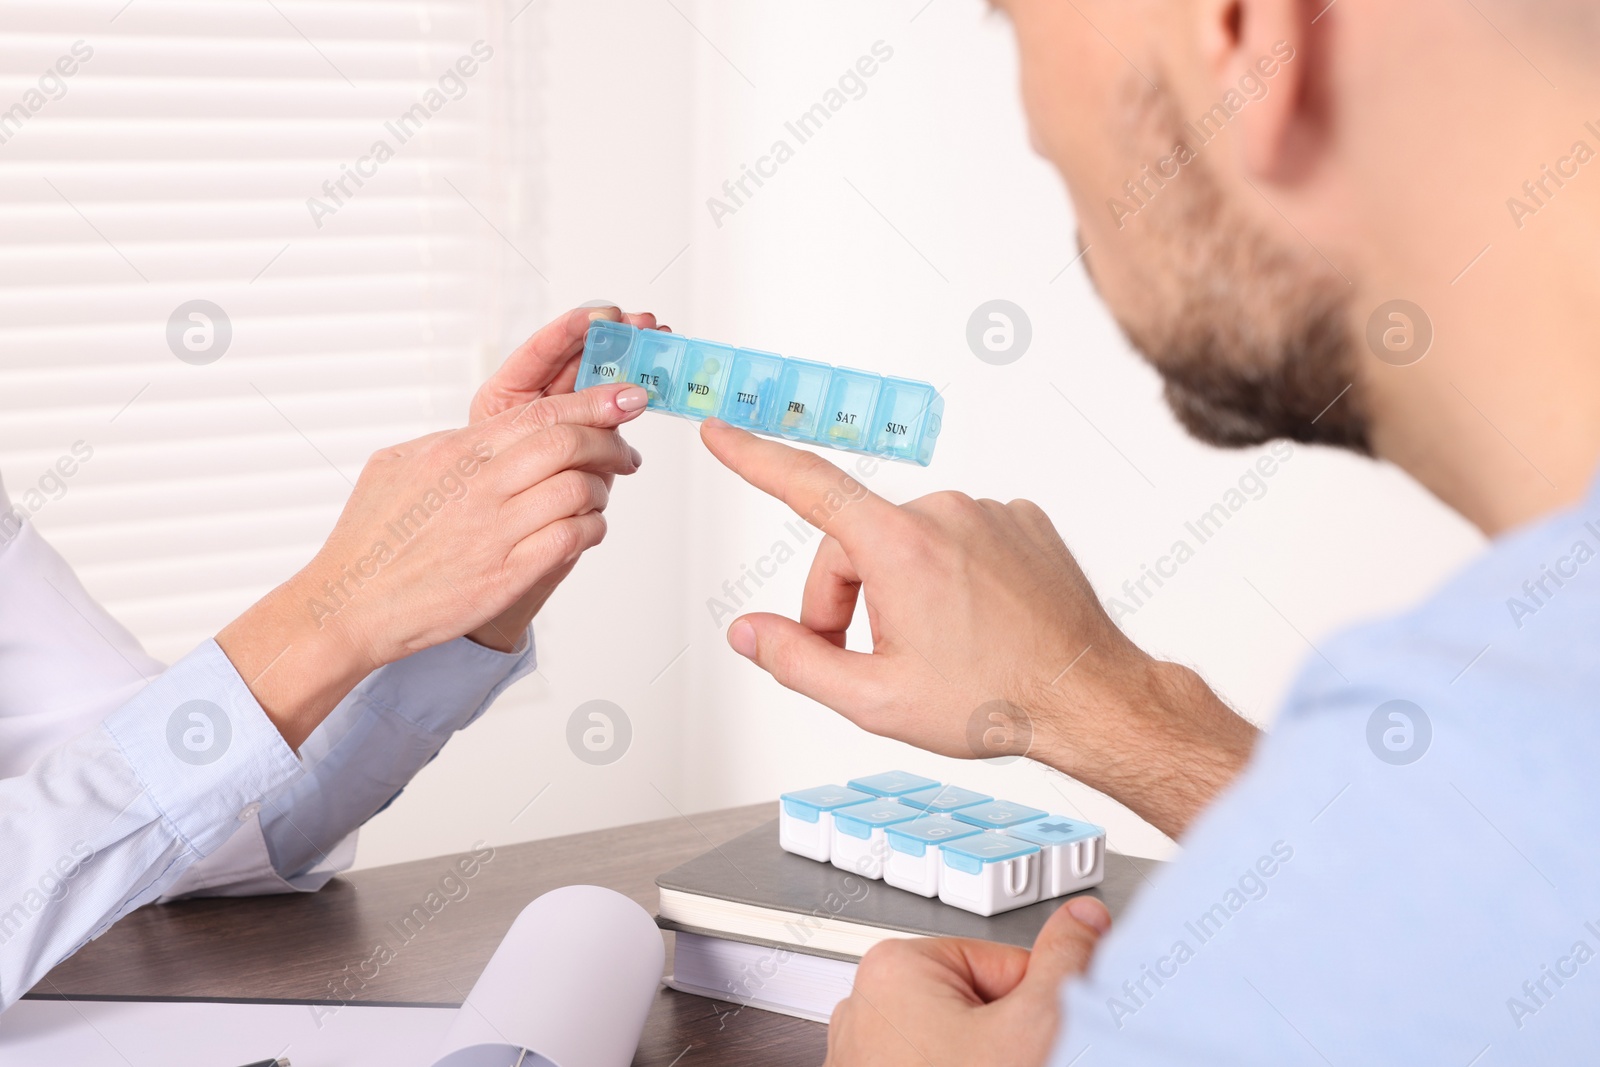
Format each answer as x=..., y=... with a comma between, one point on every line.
x=869, y=248
x=645, y=120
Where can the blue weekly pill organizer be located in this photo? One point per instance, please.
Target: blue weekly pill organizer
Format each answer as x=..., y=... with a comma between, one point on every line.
x=768, y=394
x=968, y=849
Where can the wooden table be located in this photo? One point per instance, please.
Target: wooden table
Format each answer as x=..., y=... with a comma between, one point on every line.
x=314, y=947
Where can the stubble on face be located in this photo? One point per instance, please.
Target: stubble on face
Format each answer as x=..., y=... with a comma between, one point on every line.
x=1249, y=331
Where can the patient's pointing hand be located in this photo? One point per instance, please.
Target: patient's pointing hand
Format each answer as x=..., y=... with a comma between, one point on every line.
x=987, y=640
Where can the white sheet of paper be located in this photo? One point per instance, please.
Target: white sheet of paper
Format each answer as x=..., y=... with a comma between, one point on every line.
x=125, y=1033
x=571, y=983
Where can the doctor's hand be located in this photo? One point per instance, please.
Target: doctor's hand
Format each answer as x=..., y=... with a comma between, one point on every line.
x=987, y=640
x=950, y=1002
x=546, y=364
x=440, y=535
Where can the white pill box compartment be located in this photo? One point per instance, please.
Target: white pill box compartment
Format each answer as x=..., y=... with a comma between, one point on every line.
x=989, y=873
x=1073, y=854
x=968, y=849
x=805, y=819
x=798, y=399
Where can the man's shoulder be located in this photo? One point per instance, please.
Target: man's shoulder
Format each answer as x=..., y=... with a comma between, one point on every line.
x=1400, y=875
x=1402, y=847
x=1516, y=625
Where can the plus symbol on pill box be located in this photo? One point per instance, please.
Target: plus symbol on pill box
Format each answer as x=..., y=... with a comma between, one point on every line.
x=1056, y=827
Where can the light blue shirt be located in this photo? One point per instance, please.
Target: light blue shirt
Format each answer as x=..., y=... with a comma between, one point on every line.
x=1338, y=906
x=123, y=782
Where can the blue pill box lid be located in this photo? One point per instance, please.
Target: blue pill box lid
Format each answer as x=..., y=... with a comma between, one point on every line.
x=658, y=364
x=944, y=798
x=893, y=784
x=969, y=854
x=1056, y=830
x=606, y=350
x=914, y=837
x=808, y=804
x=802, y=389
x=908, y=420
x=847, y=415
x=706, y=370
x=859, y=820
x=999, y=814
x=752, y=389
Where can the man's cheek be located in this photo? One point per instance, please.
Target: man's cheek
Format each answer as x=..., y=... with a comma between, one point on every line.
x=1053, y=128
x=1083, y=144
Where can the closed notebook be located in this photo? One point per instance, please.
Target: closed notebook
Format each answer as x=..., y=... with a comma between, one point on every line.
x=751, y=890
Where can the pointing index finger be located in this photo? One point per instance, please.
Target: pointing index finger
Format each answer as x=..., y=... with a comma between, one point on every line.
x=820, y=493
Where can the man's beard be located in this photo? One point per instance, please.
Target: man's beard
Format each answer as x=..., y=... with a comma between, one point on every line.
x=1251, y=336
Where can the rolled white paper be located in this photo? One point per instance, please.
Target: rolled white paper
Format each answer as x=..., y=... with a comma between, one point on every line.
x=571, y=983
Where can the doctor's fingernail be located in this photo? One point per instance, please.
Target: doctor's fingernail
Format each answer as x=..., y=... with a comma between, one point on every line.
x=611, y=314
x=742, y=638
x=632, y=398
x=638, y=457
x=1091, y=913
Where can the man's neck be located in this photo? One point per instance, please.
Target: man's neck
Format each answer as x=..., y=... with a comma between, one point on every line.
x=1501, y=420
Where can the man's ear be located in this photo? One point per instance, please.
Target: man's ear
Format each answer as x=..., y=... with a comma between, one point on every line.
x=1261, y=58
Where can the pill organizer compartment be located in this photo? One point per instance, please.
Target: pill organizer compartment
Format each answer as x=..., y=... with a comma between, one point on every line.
x=990, y=873
x=606, y=354
x=805, y=819
x=852, y=398
x=859, y=844
x=945, y=798
x=752, y=389
x=892, y=784
x=998, y=814
x=657, y=363
x=914, y=859
x=1074, y=853
x=706, y=369
x=907, y=421
x=801, y=392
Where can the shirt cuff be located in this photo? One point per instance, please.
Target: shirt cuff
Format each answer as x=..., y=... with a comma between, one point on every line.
x=444, y=688
x=202, y=748
x=242, y=867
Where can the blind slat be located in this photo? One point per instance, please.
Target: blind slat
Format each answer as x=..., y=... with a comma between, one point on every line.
x=175, y=164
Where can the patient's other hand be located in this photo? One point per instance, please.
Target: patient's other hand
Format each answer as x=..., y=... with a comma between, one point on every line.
x=953, y=1001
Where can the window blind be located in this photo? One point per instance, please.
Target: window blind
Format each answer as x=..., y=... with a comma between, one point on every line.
x=317, y=182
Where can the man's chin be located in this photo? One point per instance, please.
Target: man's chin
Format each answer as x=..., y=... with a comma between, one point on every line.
x=1230, y=411
x=1219, y=424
